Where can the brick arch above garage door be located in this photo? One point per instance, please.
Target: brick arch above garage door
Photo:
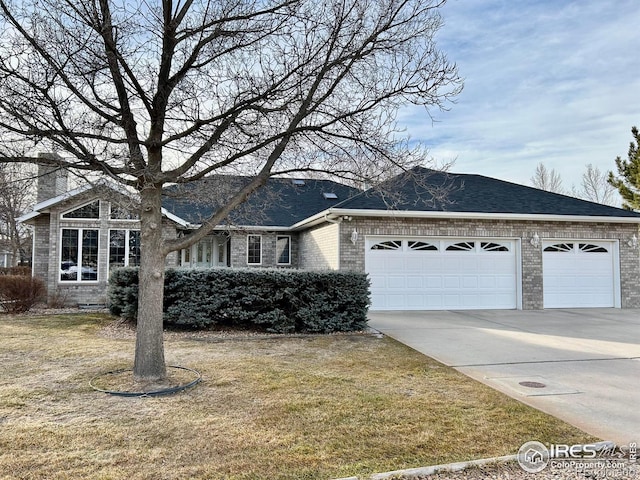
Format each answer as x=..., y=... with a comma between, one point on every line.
x=426, y=273
x=580, y=274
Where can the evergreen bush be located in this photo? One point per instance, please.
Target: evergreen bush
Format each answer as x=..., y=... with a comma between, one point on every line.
x=276, y=300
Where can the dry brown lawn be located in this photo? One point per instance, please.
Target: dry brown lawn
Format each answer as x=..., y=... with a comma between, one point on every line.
x=305, y=407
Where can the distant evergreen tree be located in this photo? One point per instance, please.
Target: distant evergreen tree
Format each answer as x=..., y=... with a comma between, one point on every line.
x=628, y=183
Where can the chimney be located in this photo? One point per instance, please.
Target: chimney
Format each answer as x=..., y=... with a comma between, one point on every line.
x=52, y=180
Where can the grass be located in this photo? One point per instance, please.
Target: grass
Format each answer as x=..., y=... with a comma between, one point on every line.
x=307, y=407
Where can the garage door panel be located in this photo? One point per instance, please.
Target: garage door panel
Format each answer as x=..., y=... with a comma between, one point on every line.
x=470, y=282
x=578, y=274
x=396, y=281
x=451, y=282
x=438, y=279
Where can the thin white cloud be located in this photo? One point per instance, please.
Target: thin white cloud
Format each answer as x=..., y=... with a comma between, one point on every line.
x=545, y=81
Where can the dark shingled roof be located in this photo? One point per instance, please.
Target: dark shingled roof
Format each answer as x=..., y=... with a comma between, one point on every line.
x=280, y=203
x=474, y=194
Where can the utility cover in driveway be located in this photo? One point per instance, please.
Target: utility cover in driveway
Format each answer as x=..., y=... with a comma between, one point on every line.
x=441, y=274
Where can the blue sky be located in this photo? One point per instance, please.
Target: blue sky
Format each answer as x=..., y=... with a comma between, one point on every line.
x=552, y=81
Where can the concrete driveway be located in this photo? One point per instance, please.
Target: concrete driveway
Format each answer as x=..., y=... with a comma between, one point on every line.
x=580, y=365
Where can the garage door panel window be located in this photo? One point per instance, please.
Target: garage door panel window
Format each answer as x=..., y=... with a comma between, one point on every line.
x=422, y=246
x=590, y=248
x=388, y=245
x=461, y=247
x=493, y=247
x=559, y=247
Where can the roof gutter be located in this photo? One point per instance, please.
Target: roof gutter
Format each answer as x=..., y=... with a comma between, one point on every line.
x=341, y=212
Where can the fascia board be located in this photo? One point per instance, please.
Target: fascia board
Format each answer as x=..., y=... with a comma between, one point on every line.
x=265, y=228
x=27, y=216
x=60, y=198
x=177, y=219
x=336, y=212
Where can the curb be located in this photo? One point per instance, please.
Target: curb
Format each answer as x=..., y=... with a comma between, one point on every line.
x=456, y=467
x=449, y=467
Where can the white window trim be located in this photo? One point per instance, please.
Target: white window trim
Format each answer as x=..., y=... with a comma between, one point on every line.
x=127, y=250
x=71, y=219
x=78, y=262
x=261, y=246
x=288, y=244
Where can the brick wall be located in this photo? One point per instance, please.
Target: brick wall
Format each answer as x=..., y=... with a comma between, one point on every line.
x=352, y=256
x=52, y=181
x=238, y=246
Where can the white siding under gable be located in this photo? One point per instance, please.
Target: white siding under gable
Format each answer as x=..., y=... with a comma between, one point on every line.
x=319, y=248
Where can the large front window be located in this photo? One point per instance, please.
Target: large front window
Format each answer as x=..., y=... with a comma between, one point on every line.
x=79, y=255
x=124, y=248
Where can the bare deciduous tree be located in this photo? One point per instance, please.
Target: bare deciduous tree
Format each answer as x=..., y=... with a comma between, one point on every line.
x=546, y=179
x=595, y=187
x=15, y=198
x=154, y=93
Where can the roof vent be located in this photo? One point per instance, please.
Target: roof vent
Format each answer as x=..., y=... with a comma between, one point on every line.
x=329, y=195
x=298, y=182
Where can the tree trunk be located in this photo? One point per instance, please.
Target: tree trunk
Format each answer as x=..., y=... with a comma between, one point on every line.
x=149, y=361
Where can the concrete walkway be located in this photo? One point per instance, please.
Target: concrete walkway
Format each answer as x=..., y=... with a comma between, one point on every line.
x=580, y=365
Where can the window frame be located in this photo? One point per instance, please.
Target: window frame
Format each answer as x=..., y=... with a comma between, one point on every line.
x=249, y=236
x=278, y=262
x=79, y=255
x=63, y=216
x=127, y=246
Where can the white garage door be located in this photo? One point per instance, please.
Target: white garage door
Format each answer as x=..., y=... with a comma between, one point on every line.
x=441, y=274
x=578, y=274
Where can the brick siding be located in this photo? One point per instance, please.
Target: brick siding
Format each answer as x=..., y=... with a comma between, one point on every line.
x=238, y=246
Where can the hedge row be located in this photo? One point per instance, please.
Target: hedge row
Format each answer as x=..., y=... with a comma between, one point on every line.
x=281, y=301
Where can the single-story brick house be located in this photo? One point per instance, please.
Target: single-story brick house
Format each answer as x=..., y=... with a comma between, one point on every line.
x=488, y=244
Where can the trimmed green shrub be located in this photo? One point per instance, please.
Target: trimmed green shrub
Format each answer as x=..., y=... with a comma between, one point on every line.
x=275, y=300
x=19, y=293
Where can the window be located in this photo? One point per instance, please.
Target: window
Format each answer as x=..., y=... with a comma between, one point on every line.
x=461, y=247
x=591, y=248
x=559, y=247
x=422, y=246
x=388, y=245
x=283, y=249
x=493, y=247
x=124, y=248
x=254, y=249
x=79, y=255
x=88, y=211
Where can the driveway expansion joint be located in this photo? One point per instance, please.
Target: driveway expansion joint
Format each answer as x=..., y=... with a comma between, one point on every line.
x=533, y=362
